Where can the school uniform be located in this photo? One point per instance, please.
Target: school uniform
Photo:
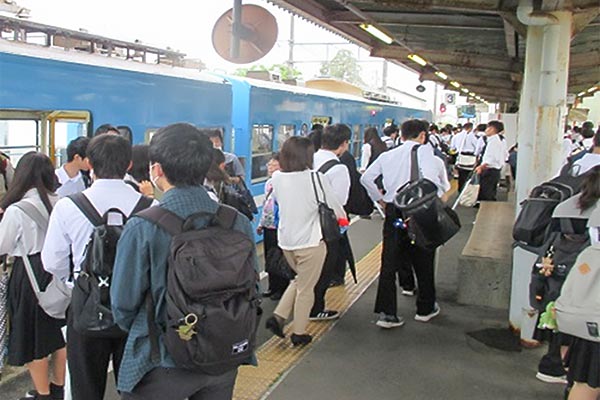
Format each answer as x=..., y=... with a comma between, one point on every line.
x=464, y=143
x=494, y=157
x=335, y=264
x=69, y=185
x=399, y=254
x=68, y=234
x=33, y=334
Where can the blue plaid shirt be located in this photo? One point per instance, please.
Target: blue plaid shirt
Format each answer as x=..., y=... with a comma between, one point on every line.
x=141, y=265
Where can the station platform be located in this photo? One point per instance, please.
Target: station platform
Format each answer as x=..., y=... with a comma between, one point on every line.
x=353, y=359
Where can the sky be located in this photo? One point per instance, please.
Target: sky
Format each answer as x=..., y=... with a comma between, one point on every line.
x=186, y=26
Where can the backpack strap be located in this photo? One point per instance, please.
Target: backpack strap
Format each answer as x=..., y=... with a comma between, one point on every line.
x=86, y=208
x=34, y=213
x=328, y=165
x=164, y=218
x=414, y=163
x=226, y=216
x=143, y=203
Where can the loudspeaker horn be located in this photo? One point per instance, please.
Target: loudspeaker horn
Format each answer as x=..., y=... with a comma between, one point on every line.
x=257, y=34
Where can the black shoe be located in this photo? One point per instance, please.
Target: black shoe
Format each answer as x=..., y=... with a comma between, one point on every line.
x=56, y=393
x=37, y=396
x=301, y=340
x=336, y=282
x=324, y=315
x=274, y=326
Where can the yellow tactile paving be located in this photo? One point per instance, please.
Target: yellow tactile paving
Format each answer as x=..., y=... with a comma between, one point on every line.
x=277, y=356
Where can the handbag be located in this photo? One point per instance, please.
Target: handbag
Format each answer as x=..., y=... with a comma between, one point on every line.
x=430, y=222
x=465, y=160
x=55, y=299
x=277, y=265
x=469, y=194
x=329, y=225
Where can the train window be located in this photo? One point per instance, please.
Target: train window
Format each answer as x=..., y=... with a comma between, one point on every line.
x=49, y=132
x=355, y=141
x=262, y=147
x=285, y=132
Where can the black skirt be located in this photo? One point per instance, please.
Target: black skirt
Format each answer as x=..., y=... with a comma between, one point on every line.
x=33, y=334
x=583, y=360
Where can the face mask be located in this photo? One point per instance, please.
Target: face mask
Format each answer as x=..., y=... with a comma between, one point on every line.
x=153, y=180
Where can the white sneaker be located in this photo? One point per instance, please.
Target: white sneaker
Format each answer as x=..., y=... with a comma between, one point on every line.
x=428, y=317
x=551, y=378
x=389, y=321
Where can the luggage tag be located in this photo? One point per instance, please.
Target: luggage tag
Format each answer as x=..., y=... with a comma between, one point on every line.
x=186, y=329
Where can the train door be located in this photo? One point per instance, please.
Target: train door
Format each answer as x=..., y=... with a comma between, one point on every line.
x=355, y=141
x=48, y=131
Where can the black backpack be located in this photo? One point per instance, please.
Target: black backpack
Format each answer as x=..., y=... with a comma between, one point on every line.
x=359, y=202
x=564, y=250
x=238, y=196
x=533, y=222
x=212, y=303
x=90, y=302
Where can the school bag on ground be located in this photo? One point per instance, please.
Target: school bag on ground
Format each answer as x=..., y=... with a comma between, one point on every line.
x=90, y=303
x=534, y=219
x=429, y=221
x=578, y=307
x=212, y=302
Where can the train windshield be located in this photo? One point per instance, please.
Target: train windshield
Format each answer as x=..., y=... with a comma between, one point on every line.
x=48, y=131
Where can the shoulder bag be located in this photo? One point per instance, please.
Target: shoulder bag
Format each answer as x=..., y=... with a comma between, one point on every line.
x=327, y=218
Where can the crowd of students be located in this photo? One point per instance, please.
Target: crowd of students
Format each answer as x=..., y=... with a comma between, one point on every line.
x=314, y=186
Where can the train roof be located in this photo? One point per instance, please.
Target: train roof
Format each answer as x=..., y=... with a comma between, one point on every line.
x=309, y=91
x=77, y=57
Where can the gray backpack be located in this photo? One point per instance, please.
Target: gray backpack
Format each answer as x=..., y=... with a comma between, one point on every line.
x=212, y=302
x=578, y=307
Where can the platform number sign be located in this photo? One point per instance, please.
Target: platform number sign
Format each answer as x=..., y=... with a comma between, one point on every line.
x=450, y=98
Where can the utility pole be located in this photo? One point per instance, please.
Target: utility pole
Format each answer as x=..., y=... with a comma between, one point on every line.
x=384, y=76
x=291, y=44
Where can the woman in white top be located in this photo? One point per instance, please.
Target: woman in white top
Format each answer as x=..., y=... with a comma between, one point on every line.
x=373, y=146
x=34, y=335
x=299, y=233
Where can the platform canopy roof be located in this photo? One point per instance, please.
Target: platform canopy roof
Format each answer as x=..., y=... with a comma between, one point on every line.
x=479, y=44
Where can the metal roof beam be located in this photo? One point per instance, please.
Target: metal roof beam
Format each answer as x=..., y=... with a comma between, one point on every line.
x=582, y=19
x=471, y=81
x=510, y=36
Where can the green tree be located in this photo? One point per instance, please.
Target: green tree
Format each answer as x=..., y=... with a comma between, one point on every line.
x=282, y=69
x=343, y=66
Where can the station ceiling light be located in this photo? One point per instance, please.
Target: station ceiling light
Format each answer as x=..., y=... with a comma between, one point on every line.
x=418, y=59
x=471, y=94
x=455, y=84
x=580, y=94
x=441, y=75
x=464, y=90
x=377, y=33
x=592, y=89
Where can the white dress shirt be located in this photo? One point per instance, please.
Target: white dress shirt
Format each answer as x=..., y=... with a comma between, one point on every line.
x=17, y=227
x=586, y=163
x=465, y=142
x=69, y=185
x=365, y=156
x=69, y=230
x=299, y=225
x=395, y=166
x=495, y=153
x=338, y=175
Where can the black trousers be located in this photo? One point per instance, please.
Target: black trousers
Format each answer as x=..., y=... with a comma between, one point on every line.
x=488, y=184
x=181, y=384
x=332, y=261
x=277, y=284
x=398, y=256
x=88, y=360
x=463, y=175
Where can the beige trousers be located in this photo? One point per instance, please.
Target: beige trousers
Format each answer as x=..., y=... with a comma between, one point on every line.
x=300, y=295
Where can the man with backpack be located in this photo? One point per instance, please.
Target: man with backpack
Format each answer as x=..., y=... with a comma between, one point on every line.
x=185, y=281
x=85, y=228
x=334, y=142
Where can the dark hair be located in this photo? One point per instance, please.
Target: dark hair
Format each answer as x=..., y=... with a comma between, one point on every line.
x=140, y=160
x=587, y=129
x=275, y=156
x=335, y=135
x=77, y=147
x=497, y=125
x=468, y=125
x=296, y=154
x=184, y=153
x=390, y=130
x=214, y=133
x=597, y=139
x=215, y=173
x=434, y=128
x=372, y=138
x=109, y=156
x=105, y=128
x=34, y=171
x=315, y=137
x=317, y=127
x=412, y=128
x=590, y=189
x=481, y=127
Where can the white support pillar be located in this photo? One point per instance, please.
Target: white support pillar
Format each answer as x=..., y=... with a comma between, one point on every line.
x=542, y=113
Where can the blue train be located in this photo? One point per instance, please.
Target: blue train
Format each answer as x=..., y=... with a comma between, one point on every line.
x=48, y=96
